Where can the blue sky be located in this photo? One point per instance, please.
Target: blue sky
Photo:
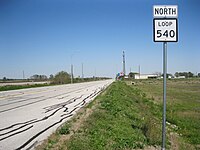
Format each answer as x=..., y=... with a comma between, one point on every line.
x=46, y=36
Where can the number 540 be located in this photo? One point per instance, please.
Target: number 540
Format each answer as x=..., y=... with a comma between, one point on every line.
x=167, y=33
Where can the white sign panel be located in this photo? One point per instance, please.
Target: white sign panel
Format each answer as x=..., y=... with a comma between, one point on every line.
x=168, y=11
x=165, y=30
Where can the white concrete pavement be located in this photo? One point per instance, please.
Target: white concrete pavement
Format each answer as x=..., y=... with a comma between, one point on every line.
x=29, y=116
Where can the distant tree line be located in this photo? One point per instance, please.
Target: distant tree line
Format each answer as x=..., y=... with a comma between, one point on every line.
x=186, y=74
x=63, y=77
x=177, y=75
x=37, y=77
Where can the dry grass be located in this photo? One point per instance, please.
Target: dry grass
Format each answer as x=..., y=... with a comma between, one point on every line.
x=183, y=108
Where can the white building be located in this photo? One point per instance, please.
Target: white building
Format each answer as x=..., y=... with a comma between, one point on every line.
x=180, y=77
x=145, y=76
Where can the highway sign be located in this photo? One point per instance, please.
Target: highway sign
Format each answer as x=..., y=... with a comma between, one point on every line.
x=165, y=11
x=165, y=30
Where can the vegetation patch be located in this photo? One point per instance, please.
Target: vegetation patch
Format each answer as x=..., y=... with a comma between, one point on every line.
x=123, y=118
x=183, y=107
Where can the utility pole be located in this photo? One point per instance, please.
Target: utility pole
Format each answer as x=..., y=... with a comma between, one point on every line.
x=71, y=69
x=23, y=75
x=71, y=73
x=139, y=71
x=82, y=71
x=124, y=69
x=95, y=73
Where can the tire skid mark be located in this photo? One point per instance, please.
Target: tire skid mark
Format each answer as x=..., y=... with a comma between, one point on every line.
x=66, y=108
x=26, y=124
x=96, y=93
x=44, y=118
x=32, y=145
x=36, y=135
x=83, y=103
x=16, y=133
x=17, y=124
x=30, y=103
x=58, y=107
x=70, y=112
x=13, y=130
x=91, y=96
x=63, y=104
x=73, y=110
x=84, y=100
x=37, y=101
x=52, y=107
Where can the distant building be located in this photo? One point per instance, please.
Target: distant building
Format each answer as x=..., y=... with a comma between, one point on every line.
x=143, y=76
x=180, y=77
x=126, y=77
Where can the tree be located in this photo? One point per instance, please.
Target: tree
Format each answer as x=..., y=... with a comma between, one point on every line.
x=190, y=75
x=4, y=78
x=198, y=74
x=176, y=74
x=186, y=74
x=51, y=77
x=61, y=77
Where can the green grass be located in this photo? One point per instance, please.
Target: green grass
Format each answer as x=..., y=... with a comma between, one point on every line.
x=65, y=129
x=183, y=104
x=124, y=119
x=129, y=116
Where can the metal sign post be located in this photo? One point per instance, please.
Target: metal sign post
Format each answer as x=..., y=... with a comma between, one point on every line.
x=164, y=94
x=165, y=29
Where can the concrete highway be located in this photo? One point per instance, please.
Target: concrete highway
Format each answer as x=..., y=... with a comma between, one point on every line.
x=29, y=116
